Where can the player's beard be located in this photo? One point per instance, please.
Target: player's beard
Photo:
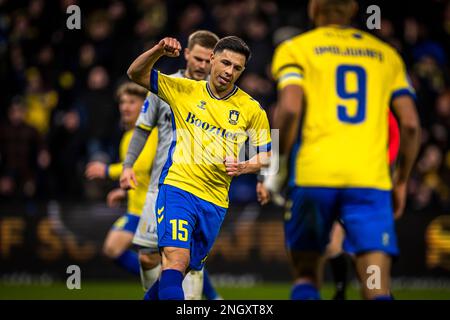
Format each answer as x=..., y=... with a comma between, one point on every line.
x=200, y=75
x=197, y=74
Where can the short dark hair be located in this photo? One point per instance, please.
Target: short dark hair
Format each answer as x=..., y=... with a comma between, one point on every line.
x=203, y=38
x=234, y=44
x=337, y=8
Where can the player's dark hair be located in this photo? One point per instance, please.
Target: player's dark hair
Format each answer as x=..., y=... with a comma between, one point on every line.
x=203, y=38
x=131, y=89
x=337, y=9
x=234, y=44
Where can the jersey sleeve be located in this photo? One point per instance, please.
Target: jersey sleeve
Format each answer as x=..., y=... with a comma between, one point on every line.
x=144, y=162
x=287, y=68
x=401, y=84
x=114, y=170
x=148, y=119
x=169, y=88
x=259, y=131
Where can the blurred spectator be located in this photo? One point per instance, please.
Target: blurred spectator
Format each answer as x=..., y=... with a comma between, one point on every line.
x=39, y=102
x=66, y=144
x=98, y=115
x=22, y=153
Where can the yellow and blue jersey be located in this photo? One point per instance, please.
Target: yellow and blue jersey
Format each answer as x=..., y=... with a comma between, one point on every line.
x=349, y=79
x=206, y=130
x=142, y=168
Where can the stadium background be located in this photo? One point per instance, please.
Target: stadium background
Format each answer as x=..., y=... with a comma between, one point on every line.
x=52, y=217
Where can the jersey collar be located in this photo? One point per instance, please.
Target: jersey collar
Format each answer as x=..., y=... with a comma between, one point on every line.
x=211, y=94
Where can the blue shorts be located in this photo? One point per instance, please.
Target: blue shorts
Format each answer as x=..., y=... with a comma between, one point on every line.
x=127, y=222
x=348, y=247
x=186, y=221
x=366, y=215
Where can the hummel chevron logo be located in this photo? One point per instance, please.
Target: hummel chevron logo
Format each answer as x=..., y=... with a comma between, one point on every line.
x=160, y=214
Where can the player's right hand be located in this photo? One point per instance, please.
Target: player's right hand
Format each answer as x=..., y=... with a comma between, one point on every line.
x=399, y=193
x=128, y=179
x=170, y=47
x=262, y=193
x=114, y=197
x=95, y=170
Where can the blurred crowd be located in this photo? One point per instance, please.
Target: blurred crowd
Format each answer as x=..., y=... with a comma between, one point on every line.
x=58, y=108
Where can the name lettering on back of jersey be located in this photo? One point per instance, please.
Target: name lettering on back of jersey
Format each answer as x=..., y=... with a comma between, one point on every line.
x=349, y=51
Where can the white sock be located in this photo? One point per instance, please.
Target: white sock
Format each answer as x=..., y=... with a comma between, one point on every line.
x=149, y=277
x=193, y=285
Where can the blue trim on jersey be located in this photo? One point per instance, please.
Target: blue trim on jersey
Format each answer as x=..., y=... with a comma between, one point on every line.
x=154, y=81
x=403, y=92
x=145, y=106
x=169, y=160
x=235, y=89
x=264, y=148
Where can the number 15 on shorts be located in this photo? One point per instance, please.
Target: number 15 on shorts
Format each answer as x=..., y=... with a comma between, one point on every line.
x=179, y=231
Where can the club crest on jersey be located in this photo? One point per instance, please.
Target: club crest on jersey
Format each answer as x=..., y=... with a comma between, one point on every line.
x=202, y=104
x=234, y=117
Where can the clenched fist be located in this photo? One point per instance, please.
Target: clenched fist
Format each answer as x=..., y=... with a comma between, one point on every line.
x=170, y=47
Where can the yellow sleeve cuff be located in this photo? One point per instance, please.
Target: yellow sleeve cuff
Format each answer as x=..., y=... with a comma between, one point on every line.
x=288, y=81
x=144, y=127
x=114, y=170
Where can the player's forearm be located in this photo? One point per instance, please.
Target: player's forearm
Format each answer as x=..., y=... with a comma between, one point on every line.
x=139, y=70
x=135, y=147
x=405, y=109
x=288, y=125
x=287, y=118
x=257, y=162
x=409, y=148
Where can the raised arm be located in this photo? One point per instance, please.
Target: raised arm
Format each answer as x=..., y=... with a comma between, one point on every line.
x=139, y=70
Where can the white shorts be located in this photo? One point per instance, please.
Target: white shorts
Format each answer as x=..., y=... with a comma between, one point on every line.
x=146, y=234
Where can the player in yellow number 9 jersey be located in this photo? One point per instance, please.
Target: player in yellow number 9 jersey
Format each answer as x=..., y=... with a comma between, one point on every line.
x=336, y=85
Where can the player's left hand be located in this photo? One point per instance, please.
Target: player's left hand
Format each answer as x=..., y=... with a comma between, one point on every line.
x=262, y=193
x=115, y=196
x=233, y=167
x=95, y=169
